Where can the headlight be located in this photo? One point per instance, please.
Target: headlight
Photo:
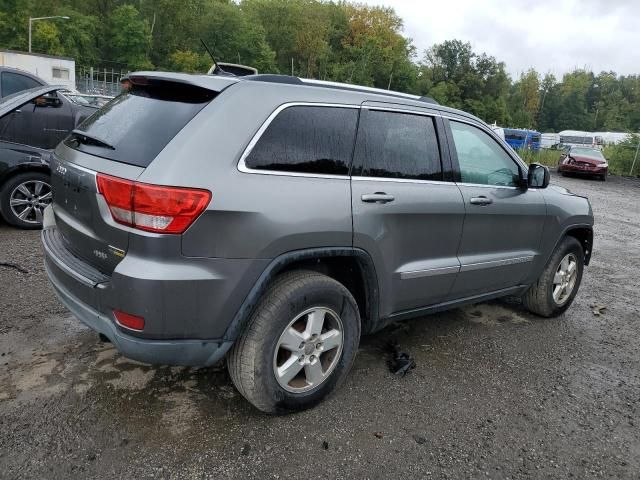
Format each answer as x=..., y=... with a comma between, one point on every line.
x=605, y=164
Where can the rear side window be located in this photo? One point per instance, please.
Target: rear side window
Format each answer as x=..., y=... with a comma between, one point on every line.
x=134, y=127
x=14, y=82
x=398, y=145
x=307, y=139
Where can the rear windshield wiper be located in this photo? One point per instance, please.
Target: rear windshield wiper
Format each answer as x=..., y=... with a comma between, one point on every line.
x=84, y=137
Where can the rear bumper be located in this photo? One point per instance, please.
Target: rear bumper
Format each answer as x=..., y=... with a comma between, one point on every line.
x=187, y=303
x=160, y=352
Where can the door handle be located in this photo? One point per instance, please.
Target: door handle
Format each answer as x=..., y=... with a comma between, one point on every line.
x=481, y=200
x=378, y=197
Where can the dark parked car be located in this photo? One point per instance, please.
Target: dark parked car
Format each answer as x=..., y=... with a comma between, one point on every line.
x=13, y=81
x=32, y=122
x=274, y=220
x=584, y=161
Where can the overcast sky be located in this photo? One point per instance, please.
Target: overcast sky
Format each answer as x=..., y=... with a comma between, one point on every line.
x=550, y=35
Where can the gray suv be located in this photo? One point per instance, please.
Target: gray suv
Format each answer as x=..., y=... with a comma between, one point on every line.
x=273, y=221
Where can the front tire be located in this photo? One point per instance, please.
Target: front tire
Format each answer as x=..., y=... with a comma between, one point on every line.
x=300, y=343
x=558, y=285
x=23, y=199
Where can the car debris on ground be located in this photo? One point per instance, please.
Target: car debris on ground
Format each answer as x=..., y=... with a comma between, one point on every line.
x=400, y=362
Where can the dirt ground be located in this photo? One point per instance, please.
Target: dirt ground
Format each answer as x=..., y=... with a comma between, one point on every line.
x=497, y=393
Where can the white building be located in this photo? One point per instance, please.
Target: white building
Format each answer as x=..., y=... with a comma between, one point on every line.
x=53, y=70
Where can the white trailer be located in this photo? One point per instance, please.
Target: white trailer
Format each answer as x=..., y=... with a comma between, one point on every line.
x=549, y=140
x=612, y=138
x=53, y=70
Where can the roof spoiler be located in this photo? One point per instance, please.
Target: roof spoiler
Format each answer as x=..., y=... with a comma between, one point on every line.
x=215, y=83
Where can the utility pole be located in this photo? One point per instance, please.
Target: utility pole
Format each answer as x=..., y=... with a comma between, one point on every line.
x=33, y=19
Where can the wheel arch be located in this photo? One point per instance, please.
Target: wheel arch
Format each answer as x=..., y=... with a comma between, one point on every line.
x=22, y=168
x=582, y=233
x=352, y=267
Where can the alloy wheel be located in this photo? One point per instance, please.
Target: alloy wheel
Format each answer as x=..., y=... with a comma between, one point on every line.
x=565, y=278
x=308, y=350
x=29, y=199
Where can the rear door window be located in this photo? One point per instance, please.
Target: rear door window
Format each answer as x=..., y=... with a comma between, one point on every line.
x=307, y=139
x=397, y=145
x=14, y=82
x=134, y=127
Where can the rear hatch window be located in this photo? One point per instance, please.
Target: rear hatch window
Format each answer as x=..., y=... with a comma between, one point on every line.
x=135, y=126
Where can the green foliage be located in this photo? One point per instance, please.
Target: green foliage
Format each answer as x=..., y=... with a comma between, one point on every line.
x=621, y=156
x=188, y=61
x=332, y=40
x=456, y=76
x=129, y=38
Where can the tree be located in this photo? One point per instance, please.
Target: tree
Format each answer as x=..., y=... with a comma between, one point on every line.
x=188, y=62
x=549, y=104
x=129, y=38
x=525, y=100
x=454, y=75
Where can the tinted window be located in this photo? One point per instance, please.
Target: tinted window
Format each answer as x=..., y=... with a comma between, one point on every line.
x=14, y=82
x=481, y=158
x=140, y=123
x=398, y=145
x=515, y=136
x=305, y=139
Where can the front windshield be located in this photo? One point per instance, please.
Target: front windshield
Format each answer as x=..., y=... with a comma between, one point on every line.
x=587, y=152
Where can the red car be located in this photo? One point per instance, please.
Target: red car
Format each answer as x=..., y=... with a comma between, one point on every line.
x=583, y=160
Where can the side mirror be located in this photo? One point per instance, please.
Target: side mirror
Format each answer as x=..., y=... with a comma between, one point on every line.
x=539, y=176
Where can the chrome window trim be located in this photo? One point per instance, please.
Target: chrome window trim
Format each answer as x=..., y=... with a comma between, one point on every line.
x=380, y=108
x=484, y=185
x=400, y=180
x=242, y=167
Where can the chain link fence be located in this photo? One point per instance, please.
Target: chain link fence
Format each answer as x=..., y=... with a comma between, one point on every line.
x=96, y=81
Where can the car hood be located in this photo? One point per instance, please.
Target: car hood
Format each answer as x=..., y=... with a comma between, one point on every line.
x=10, y=103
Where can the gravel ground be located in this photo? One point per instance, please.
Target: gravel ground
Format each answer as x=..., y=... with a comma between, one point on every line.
x=497, y=393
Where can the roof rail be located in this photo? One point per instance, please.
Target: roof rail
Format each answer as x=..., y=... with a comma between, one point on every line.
x=339, y=86
x=360, y=88
x=273, y=78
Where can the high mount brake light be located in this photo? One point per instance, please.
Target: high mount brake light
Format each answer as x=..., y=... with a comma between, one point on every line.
x=153, y=208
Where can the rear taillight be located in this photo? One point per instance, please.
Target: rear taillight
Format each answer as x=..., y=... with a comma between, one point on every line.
x=153, y=208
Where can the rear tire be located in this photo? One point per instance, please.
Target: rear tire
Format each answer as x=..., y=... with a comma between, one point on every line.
x=267, y=354
x=23, y=199
x=558, y=285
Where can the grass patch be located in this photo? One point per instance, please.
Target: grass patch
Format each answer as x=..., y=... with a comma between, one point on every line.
x=546, y=157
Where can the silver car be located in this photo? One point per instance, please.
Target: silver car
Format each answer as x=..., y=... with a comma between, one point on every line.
x=272, y=221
